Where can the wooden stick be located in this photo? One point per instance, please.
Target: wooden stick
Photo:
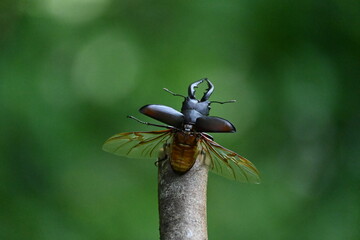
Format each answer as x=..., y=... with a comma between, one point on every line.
x=182, y=201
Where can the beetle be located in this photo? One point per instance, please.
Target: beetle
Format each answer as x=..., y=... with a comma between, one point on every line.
x=186, y=136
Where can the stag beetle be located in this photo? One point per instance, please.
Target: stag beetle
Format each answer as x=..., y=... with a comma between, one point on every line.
x=185, y=138
x=194, y=115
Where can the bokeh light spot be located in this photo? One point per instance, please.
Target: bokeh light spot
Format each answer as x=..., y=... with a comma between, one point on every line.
x=75, y=11
x=105, y=68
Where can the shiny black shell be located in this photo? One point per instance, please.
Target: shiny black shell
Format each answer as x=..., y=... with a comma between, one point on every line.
x=193, y=112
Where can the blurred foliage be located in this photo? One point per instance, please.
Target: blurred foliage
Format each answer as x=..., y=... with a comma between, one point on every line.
x=71, y=70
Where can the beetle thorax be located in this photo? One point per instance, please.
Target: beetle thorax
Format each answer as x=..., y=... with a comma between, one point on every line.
x=194, y=104
x=193, y=109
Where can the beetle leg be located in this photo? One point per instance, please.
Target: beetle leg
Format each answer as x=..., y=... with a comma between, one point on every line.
x=205, y=159
x=160, y=160
x=172, y=93
x=162, y=155
x=150, y=124
x=156, y=163
x=230, y=101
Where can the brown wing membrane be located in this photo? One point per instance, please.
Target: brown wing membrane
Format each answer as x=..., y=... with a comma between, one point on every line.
x=228, y=163
x=137, y=144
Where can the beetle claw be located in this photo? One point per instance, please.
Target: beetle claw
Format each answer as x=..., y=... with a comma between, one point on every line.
x=207, y=93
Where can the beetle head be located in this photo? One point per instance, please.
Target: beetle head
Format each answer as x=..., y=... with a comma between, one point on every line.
x=202, y=106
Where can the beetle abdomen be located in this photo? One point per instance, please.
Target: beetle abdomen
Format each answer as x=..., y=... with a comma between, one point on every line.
x=183, y=152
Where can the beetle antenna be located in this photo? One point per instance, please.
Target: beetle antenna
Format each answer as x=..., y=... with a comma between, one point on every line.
x=230, y=101
x=172, y=93
x=150, y=124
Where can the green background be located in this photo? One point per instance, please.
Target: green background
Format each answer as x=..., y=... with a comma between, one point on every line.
x=71, y=70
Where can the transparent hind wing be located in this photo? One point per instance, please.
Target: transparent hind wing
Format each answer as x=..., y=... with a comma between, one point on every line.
x=138, y=144
x=227, y=163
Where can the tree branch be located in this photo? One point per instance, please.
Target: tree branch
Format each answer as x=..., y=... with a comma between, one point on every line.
x=182, y=201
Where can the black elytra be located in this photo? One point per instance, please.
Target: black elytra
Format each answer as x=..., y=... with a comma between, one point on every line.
x=194, y=115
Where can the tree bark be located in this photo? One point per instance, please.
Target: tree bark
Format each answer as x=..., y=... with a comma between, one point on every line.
x=182, y=201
